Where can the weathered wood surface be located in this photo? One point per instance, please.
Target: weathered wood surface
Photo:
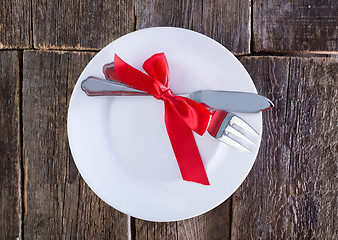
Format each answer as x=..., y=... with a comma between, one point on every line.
x=80, y=24
x=292, y=26
x=10, y=146
x=15, y=24
x=291, y=193
x=214, y=225
x=228, y=22
x=58, y=204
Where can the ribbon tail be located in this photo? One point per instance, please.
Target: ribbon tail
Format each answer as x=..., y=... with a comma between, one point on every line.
x=186, y=151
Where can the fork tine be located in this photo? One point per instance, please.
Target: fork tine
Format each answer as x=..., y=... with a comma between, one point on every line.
x=240, y=122
x=237, y=133
x=226, y=139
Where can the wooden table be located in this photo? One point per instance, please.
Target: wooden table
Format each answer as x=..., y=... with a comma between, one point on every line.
x=290, y=50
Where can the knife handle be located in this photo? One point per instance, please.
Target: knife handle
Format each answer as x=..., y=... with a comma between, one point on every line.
x=93, y=86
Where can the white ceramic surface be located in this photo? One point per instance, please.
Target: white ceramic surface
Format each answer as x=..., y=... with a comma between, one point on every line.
x=120, y=144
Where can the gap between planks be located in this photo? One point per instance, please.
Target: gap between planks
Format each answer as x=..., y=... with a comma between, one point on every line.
x=23, y=179
x=302, y=54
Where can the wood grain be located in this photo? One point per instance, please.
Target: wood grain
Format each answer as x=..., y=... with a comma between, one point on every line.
x=15, y=24
x=213, y=225
x=293, y=26
x=80, y=24
x=145, y=230
x=58, y=204
x=10, y=146
x=227, y=22
x=291, y=190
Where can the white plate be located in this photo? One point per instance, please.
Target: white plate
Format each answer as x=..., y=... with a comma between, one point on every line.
x=120, y=144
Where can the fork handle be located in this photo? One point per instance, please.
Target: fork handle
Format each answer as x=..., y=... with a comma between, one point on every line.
x=93, y=86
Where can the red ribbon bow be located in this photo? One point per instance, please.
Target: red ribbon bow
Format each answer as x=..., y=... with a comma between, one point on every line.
x=181, y=114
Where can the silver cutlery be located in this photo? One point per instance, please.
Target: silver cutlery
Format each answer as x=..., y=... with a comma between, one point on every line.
x=221, y=127
x=221, y=100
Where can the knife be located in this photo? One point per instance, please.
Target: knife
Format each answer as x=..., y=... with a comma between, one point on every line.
x=222, y=100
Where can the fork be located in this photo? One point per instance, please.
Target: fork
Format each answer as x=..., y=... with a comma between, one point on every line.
x=221, y=126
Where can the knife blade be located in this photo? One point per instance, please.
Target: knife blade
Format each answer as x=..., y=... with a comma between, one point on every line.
x=222, y=100
x=232, y=101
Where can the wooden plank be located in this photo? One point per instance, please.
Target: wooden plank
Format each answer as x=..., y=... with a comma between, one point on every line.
x=227, y=22
x=291, y=190
x=258, y=203
x=80, y=24
x=145, y=230
x=10, y=146
x=15, y=24
x=214, y=224
x=58, y=204
x=292, y=26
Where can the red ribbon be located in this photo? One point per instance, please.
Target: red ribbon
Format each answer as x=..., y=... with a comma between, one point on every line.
x=181, y=114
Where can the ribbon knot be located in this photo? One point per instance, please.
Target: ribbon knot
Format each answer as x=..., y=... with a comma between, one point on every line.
x=166, y=95
x=182, y=115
